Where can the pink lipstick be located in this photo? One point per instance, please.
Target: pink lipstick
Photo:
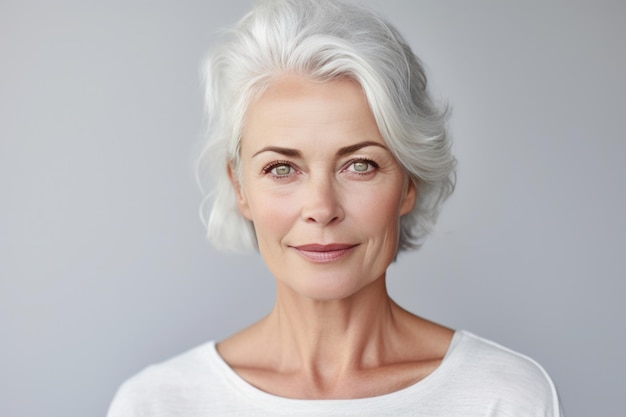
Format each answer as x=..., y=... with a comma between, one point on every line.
x=324, y=253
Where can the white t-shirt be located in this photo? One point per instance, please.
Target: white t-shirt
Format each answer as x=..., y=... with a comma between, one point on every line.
x=476, y=378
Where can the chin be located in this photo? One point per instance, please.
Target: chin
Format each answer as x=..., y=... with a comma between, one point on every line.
x=326, y=287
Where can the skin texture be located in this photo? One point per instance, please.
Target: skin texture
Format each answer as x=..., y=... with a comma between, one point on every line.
x=325, y=196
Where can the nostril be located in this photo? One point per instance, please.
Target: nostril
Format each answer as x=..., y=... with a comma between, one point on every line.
x=323, y=212
x=323, y=219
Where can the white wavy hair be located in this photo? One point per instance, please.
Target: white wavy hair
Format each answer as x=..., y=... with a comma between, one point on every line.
x=323, y=40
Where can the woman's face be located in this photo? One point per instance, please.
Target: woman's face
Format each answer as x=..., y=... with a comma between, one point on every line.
x=324, y=192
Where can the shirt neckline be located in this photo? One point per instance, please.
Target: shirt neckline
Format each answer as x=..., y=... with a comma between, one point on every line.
x=264, y=399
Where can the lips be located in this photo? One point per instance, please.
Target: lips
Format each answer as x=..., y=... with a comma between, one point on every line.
x=324, y=253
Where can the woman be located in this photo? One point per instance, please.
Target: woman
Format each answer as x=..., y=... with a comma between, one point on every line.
x=331, y=158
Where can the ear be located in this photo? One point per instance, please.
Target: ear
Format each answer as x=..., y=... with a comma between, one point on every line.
x=410, y=196
x=240, y=195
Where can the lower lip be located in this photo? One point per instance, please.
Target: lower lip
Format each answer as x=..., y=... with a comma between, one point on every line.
x=324, y=256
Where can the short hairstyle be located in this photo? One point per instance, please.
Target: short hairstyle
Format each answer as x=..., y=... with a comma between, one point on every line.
x=324, y=40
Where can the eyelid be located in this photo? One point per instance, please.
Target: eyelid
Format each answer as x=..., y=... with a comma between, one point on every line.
x=353, y=161
x=268, y=168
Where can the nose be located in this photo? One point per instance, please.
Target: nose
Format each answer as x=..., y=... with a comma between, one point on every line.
x=321, y=204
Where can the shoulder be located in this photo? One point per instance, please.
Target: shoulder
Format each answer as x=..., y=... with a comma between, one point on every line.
x=489, y=359
x=169, y=384
x=509, y=379
x=188, y=367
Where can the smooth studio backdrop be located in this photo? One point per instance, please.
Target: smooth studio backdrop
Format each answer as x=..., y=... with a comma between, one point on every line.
x=104, y=268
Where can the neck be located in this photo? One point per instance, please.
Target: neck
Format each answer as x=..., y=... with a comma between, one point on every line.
x=336, y=336
x=359, y=346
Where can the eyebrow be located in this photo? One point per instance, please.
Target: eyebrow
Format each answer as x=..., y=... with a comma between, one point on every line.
x=346, y=150
x=353, y=148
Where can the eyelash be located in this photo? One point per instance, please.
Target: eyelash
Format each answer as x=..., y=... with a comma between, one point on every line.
x=269, y=167
x=372, y=164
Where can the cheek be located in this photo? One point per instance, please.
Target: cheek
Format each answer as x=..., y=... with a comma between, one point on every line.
x=271, y=214
x=379, y=206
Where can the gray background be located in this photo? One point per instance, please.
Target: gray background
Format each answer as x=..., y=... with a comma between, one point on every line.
x=103, y=264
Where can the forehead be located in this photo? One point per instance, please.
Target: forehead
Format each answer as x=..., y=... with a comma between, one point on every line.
x=294, y=108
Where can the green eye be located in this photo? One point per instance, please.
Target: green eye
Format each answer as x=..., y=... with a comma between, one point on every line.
x=361, y=166
x=281, y=170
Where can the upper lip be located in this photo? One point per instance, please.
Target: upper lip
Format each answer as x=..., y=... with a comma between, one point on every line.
x=317, y=247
